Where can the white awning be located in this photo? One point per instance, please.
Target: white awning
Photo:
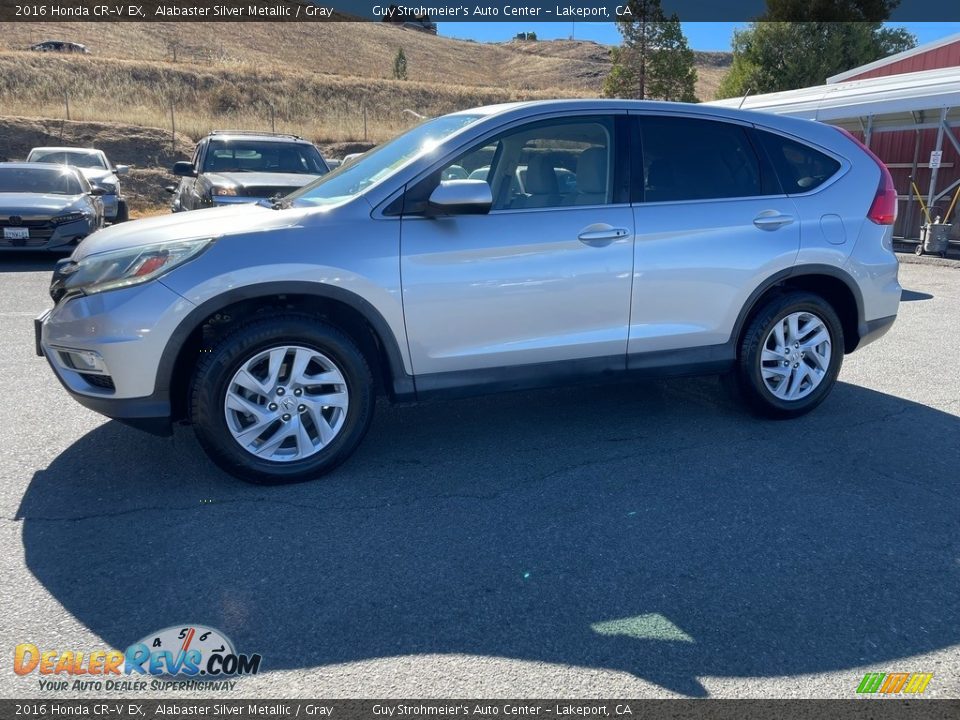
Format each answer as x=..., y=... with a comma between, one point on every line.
x=895, y=102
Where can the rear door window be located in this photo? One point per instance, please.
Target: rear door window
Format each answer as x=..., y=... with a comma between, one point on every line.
x=694, y=159
x=800, y=167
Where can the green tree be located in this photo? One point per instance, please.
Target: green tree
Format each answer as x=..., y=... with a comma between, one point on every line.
x=400, y=65
x=654, y=61
x=798, y=43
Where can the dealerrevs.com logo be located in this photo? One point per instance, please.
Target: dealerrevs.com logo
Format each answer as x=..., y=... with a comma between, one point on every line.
x=194, y=652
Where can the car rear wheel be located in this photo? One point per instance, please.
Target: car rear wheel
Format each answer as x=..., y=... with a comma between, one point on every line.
x=790, y=356
x=282, y=400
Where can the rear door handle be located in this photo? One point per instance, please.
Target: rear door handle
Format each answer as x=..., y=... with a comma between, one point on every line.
x=771, y=220
x=600, y=236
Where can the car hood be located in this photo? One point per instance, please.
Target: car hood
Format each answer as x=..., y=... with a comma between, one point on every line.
x=30, y=204
x=209, y=223
x=259, y=179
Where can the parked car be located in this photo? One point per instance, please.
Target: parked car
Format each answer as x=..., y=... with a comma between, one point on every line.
x=97, y=169
x=60, y=46
x=696, y=239
x=46, y=207
x=232, y=166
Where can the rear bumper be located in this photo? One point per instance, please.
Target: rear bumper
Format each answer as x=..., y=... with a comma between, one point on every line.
x=871, y=330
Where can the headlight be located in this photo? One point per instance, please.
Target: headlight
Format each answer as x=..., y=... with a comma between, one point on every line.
x=68, y=218
x=108, y=188
x=223, y=191
x=123, y=268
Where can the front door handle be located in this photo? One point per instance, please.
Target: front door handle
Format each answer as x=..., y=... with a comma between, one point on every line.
x=771, y=220
x=601, y=235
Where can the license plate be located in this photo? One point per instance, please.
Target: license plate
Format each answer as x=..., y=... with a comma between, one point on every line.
x=16, y=233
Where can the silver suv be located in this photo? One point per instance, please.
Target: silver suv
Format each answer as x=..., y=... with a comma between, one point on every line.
x=585, y=239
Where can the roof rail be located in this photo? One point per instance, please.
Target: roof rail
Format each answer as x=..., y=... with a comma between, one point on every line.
x=255, y=132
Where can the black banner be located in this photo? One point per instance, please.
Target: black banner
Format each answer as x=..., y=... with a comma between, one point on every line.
x=423, y=14
x=179, y=709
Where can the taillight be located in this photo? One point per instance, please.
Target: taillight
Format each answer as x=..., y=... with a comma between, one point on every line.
x=883, y=209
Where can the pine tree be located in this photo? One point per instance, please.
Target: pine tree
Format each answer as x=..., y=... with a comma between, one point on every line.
x=654, y=61
x=400, y=66
x=799, y=43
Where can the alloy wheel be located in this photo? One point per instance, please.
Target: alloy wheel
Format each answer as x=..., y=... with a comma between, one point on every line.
x=286, y=403
x=795, y=356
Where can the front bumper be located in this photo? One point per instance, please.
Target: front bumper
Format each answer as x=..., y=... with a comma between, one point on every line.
x=51, y=237
x=127, y=330
x=110, y=205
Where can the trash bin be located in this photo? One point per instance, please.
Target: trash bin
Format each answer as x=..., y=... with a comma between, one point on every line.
x=934, y=239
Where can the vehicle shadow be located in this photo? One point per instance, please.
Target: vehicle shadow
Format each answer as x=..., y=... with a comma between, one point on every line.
x=649, y=528
x=30, y=261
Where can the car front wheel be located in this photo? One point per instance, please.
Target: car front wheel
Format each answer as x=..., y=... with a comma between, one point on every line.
x=790, y=355
x=282, y=400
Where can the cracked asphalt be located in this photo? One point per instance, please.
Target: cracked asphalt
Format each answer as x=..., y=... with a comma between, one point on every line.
x=639, y=540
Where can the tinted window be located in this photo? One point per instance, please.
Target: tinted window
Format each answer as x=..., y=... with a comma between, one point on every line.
x=799, y=167
x=690, y=159
x=249, y=156
x=556, y=164
x=67, y=157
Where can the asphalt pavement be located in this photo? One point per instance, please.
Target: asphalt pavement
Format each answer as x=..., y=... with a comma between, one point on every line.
x=647, y=539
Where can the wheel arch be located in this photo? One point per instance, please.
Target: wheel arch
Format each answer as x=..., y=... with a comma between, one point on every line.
x=346, y=310
x=833, y=284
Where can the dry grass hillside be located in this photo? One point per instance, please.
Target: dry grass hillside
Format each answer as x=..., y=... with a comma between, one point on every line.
x=330, y=82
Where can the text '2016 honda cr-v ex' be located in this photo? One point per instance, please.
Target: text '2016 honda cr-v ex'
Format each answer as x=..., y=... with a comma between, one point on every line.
x=504, y=247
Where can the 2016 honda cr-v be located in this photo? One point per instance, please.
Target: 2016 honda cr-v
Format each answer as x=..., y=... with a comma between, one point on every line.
x=497, y=248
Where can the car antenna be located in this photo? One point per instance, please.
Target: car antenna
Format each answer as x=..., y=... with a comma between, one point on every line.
x=744, y=98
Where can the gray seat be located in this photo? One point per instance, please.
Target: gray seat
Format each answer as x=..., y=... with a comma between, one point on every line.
x=540, y=184
x=592, y=177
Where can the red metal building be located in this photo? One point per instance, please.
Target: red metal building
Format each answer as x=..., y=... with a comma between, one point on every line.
x=907, y=152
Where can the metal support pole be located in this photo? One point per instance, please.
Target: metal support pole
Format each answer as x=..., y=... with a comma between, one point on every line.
x=951, y=138
x=933, y=171
x=907, y=228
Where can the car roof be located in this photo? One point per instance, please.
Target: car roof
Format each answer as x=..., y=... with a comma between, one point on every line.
x=808, y=130
x=229, y=135
x=53, y=148
x=34, y=166
x=38, y=166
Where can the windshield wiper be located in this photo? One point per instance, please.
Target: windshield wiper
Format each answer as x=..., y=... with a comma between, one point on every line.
x=282, y=204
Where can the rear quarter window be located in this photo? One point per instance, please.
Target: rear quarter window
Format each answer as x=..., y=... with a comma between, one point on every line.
x=800, y=167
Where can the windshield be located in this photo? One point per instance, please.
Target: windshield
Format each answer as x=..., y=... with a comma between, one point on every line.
x=40, y=180
x=379, y=163
x=67, y=157
x=272, y=157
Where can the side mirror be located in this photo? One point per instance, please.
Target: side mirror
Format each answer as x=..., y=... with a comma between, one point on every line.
x=97, y=191
x=184, y=168
x=121, y=169
x=171, y=189
x=460, y=197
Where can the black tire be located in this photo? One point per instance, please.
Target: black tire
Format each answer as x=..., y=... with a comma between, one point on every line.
x=217, y=368
x=746, y=381
x=918, y=250
x=123, y=212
